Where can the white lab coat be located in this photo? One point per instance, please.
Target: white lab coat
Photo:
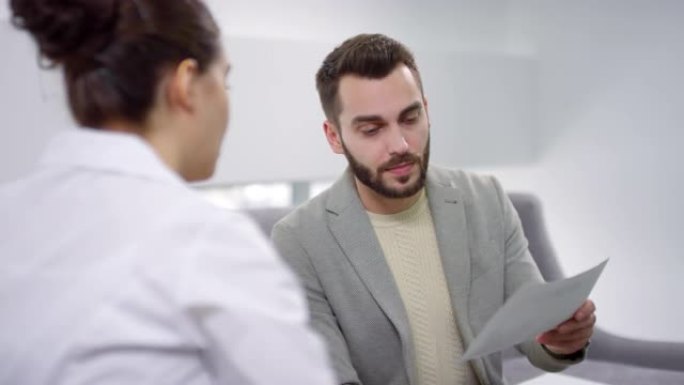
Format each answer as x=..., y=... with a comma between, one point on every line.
x=113, y=271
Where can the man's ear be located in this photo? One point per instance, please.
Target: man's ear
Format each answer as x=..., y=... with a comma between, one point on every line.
x=332, y=134
x=427, y=113
x=180, y=86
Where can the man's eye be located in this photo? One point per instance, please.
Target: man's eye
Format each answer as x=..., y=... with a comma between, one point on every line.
x=411, y=119
x=370, y=130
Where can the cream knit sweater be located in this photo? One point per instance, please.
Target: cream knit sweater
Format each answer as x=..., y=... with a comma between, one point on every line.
x=410, y=246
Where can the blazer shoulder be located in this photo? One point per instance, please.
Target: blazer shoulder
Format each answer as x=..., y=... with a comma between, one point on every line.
x=481, y=194
x=308, y=215
x=469, y=184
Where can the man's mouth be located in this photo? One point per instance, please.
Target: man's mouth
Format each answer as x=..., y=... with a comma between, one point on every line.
x=401, y=168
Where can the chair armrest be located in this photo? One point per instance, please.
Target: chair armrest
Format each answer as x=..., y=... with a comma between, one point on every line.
x=606, y=346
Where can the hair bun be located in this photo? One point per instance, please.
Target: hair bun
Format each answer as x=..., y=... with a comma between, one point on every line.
x=67, y=29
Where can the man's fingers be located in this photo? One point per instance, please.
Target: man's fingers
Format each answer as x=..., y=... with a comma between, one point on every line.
x=566, y=348
x=572, y=325
x=555, y=338
x=588, y=308
x=573, y=334
x=569, y=331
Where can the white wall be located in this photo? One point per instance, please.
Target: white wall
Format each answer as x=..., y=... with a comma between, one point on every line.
x=461, y=48
x=276, y=50
x=276, y=124
x=30, y=108
x=609, y=168
x=439, y=24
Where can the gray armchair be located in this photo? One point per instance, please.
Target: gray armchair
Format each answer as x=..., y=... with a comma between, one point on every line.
x=611, y=359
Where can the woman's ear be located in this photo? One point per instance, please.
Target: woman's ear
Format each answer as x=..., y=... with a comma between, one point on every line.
x=179, y=90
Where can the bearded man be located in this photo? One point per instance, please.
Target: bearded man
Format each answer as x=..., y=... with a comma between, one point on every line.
x=402, y=265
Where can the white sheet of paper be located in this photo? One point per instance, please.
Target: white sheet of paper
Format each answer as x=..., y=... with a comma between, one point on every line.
x=532, y=310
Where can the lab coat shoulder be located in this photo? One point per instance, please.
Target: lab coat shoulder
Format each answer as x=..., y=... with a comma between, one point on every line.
x=235, y=288
x=220, y=258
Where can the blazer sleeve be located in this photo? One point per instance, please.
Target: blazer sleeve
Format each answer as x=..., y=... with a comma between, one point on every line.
x=520, y=269
x=322, y=317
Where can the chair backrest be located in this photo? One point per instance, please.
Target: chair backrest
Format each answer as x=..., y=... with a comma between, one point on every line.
x=531, y=216
x=267, y=217
x=528, y=208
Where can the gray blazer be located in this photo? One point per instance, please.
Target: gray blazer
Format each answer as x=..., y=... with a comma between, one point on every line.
x=354, y=301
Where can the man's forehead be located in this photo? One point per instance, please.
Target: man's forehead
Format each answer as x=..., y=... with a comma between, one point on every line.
x=386, y=96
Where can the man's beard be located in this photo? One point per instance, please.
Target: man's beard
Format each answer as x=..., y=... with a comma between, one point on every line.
x=375, y=182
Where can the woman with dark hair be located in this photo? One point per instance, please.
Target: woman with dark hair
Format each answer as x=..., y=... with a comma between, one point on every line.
x=113, y=270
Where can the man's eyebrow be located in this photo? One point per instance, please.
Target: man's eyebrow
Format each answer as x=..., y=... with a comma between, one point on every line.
x=366, y=119
x=415, y=106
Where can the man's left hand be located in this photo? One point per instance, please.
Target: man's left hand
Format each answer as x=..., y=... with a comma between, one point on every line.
x=572, y=335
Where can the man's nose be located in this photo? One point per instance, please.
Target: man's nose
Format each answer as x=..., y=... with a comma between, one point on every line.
x=397, y=142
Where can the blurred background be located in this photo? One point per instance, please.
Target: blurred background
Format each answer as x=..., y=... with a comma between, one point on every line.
x=579, y=102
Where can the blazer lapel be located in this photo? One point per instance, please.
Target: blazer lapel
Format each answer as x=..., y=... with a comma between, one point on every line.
x=451, y=228
x=354, y=233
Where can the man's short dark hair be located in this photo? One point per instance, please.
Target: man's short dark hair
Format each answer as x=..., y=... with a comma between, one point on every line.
x=371, y=56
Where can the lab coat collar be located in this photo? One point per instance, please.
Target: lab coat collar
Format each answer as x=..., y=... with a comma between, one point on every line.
x=108, y=151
